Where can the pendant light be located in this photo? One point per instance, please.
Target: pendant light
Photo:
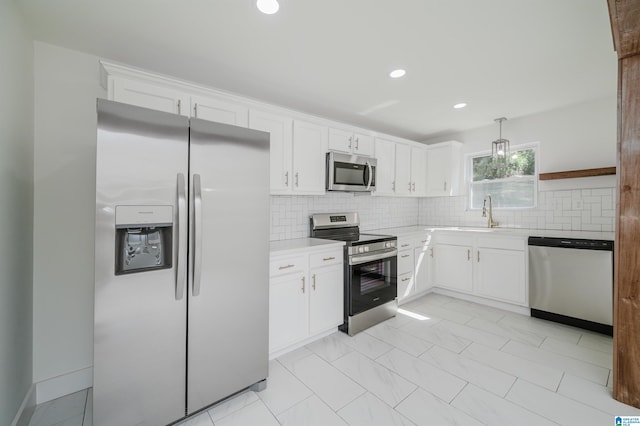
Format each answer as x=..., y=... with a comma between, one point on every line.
x=500, y=147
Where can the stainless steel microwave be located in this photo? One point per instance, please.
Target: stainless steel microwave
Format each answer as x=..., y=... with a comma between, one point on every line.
x=352, y=173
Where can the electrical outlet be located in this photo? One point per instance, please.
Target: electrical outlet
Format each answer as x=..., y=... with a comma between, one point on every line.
x=576, y=205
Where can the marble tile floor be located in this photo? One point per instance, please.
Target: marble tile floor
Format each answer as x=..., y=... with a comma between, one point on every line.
x=441, y=361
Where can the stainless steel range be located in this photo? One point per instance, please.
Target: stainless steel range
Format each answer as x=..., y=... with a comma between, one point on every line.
x=370, y=286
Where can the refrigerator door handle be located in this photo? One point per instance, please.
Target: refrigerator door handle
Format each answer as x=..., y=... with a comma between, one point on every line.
x=197, y=234
x=181, y=256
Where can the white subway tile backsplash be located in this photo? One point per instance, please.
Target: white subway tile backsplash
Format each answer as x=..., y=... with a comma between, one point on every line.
x=585, y=209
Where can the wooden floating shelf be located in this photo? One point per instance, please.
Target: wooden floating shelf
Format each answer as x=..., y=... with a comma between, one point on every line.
x=603, y=171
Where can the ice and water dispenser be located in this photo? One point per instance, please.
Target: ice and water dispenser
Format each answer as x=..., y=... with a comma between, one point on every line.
x=144, y=237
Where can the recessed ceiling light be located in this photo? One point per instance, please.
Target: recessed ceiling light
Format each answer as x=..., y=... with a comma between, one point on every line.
x=397, y=73
x=268, y=7
x=460, y=105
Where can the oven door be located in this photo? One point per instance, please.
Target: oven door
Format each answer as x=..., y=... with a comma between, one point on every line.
x=372, y=280
x=350, y=173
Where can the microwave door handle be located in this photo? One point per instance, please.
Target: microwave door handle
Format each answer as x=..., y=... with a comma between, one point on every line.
x=370, y=175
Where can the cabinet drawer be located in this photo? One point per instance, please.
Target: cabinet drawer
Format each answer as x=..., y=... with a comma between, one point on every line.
x=405, y=285
x=405, y=243
x=325, y=258
x=405, y=262
x=502, y=243
x=287, y=265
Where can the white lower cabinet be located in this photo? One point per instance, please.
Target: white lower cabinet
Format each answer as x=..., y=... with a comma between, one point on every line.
x=423, y=263
x=454, y=268
x=325, y=299
x=305, y=297
x=414, y=265
x=406, y=285
x=288, y=320
x=490, y=267
x=501, y=270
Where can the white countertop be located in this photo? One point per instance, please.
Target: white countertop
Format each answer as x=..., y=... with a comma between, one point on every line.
x=285, y=247
x=409, y=230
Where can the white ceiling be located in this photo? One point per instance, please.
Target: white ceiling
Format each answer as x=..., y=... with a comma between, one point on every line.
x=332, y=57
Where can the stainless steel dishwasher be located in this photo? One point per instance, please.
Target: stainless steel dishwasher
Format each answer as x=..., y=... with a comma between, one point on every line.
x=571, y=281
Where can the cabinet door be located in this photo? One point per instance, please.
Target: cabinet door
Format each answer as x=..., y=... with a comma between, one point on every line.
x=148, y=95
x=422, y=269
x=309, y=157
x=340, y=140
x=403, y=169
x=288, y=310
x=500, y=274
x=219, y=111
x=418, y=171
x=363, y=144
x=438, y=168
x=453, y=267
x=386, y=169
x=281, y=130
x=325, y=299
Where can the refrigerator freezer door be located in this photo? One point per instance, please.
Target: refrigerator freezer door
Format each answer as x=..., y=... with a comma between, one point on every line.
x=228, y=313
x=140, y=320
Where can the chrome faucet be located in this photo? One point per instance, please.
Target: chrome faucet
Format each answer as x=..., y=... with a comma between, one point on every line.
x=491, y=223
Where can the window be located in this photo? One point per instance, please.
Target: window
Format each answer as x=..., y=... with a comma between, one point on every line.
x=512, y=186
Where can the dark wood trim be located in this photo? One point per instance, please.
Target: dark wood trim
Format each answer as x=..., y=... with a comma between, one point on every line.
x=602, y=171
x=625, y=16
x=625, y=23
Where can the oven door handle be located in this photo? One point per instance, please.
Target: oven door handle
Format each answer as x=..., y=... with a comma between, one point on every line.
x=363, y=258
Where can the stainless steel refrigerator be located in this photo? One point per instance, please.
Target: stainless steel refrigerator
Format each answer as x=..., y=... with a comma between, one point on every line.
x=181, y=264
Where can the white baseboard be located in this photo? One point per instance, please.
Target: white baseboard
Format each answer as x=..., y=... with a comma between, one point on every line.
x=64, y=385
x=26, y=409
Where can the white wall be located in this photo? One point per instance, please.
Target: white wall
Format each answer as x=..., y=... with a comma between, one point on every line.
x=66, y=88
x=16, y=208
x=581, y=136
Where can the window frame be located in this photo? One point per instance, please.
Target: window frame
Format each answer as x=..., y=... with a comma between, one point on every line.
x=485, y=153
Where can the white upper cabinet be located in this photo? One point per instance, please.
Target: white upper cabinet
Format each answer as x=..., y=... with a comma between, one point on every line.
x=350, y=143
x=309, y=157
x=148, y=95
x=212, y=109
x=386, y=168
x=403, y=169
x=419, y=169
x=443, y=169
x=281, y=147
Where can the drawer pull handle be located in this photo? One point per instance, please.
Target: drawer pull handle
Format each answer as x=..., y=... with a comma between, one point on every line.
x=424, y=241
x=406, y=279
x=286, y=267
x=405, y=255
x=468, y=254
x=326, y=259
x=478, y=256
x=404, y=245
